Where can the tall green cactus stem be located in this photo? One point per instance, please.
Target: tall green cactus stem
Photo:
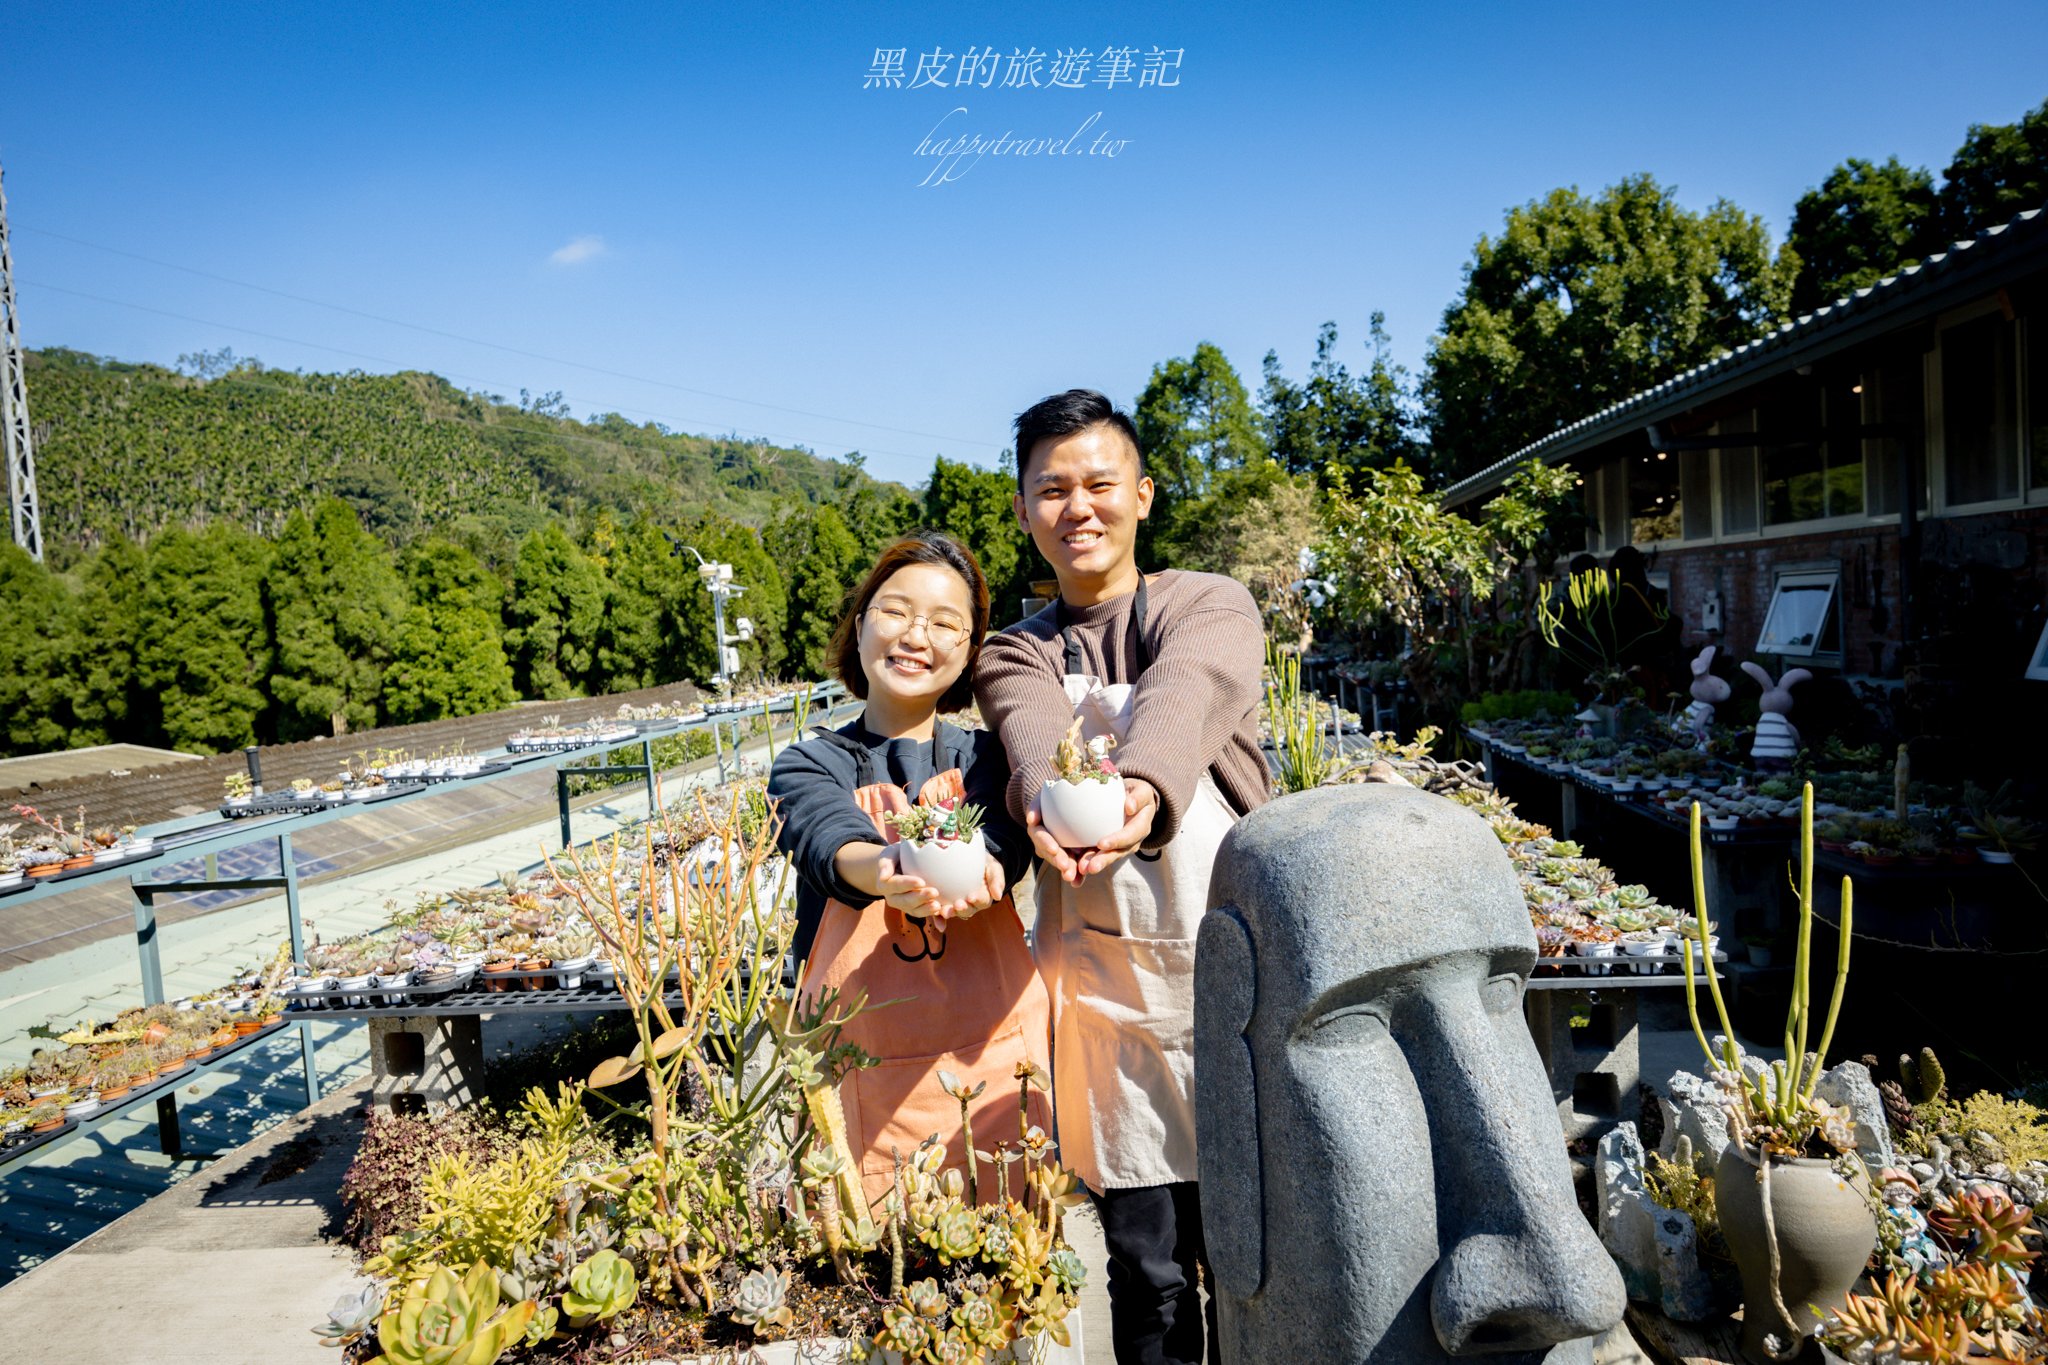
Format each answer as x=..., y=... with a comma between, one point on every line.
x=1785, y=1102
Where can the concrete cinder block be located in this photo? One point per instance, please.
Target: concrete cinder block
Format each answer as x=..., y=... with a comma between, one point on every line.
x=1595, y=1072
x=423, y=1062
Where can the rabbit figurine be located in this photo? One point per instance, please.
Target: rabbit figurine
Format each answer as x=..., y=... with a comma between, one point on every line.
x=1708, y=692
x=1776, y=743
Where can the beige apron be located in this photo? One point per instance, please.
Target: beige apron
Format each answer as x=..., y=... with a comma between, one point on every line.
x=1118, y=957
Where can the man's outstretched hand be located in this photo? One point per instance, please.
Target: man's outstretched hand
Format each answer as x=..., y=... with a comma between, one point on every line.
x=1141, y=807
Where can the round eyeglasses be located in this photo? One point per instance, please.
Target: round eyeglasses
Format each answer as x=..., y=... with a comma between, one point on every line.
x=945, y=632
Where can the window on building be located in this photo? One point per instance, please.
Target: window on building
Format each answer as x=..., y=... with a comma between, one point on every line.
x=1979, y=417
x=2038, y=669
x=1738, y=476
x=1804, y=619
x=1653, y=498
x=1696, y=494
x=1805, y=476
x=1888, y=394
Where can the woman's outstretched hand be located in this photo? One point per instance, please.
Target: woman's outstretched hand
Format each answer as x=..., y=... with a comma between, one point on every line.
x=911, y=894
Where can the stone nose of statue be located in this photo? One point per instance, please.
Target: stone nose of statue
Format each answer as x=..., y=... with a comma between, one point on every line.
x=1497, y=1293
x=1521, y=1269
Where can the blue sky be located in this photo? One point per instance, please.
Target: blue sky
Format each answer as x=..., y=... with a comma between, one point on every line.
x=703, y=209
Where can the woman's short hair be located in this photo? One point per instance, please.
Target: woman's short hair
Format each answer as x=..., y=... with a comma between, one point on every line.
x=919, y=547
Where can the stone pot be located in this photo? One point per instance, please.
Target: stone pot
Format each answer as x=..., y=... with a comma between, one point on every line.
x=1082, y=814
x=955, y=868
x=1824, y=1236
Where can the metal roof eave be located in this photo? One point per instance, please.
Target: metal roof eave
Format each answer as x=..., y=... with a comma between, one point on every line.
x=1893, y=303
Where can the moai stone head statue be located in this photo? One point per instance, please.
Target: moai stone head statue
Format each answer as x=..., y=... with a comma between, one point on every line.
x=1383, y=1171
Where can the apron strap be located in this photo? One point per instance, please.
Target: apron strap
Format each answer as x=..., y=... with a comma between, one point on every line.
x=1072, y=646
x=863, y=761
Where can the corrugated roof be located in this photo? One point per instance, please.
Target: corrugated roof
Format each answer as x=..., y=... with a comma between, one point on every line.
x=1893, y=301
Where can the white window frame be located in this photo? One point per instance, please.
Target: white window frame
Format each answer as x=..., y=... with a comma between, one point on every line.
x=2037, y=671
x=1801, y=576
x=1936, y=415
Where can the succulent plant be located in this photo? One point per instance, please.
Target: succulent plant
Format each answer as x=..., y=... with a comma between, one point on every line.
x=602, y=1287
x=762, y=1300
x=352, y=1316
x=955, y=1234
x=445, y=1320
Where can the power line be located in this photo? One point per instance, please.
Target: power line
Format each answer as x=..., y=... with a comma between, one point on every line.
x=496, y=346
x=385, y=360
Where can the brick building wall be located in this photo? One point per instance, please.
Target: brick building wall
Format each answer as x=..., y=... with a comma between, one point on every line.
x=1989, y=570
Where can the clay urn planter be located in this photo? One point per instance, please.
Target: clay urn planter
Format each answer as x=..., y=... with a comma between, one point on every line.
x=533, y=965
x=1822, y=1231
x=245, y=1027
x=499, y=976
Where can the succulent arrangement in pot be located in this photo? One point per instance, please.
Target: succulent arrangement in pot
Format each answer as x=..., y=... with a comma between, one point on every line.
x=1083, y=802
x=942, y=844
x=1786, y=1188
x=239, y=789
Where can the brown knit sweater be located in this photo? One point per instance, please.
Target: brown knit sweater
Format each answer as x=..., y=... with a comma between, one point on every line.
x=1196, y=705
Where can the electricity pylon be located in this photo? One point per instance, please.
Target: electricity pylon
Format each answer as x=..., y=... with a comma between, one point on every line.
x=19, y=440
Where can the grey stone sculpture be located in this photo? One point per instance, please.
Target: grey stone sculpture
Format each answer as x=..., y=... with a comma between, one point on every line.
x=1383, y=1172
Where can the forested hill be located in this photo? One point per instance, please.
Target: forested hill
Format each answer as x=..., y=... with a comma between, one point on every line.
x=128, y=450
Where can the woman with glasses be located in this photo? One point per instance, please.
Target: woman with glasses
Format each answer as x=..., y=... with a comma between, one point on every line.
x=967, y=996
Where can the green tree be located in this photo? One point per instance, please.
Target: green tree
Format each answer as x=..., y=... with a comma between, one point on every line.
x=99, y=669
x=974, y=507
x=1999, y=172
x=203, y=648
x=876, y=513
x=447, y=658
x=1334, y=422
x=641, y=645
x=825, y=562
x=1194, y=421
x=335, y=600
x=1398, y=558
x=42, y=627
x=554, y=616
x=1865, y=221
x=1582, y=301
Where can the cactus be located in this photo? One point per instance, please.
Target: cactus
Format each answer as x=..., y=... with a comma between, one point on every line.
x=443, y=1320
x=1923, y=1077
x=602, y=1287
x=762, y=1300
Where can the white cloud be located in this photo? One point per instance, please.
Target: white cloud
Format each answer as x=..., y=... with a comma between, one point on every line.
x=577, y=250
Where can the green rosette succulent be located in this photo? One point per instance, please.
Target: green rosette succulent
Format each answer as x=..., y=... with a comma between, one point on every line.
x=956, y=1235
x=443, y=1320
x=763, y=1300
x=602, y=1287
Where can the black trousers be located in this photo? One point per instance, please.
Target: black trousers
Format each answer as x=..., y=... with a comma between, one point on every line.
x=1156, y=1265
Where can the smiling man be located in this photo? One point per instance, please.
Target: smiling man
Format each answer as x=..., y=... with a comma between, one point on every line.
x=1168, y=663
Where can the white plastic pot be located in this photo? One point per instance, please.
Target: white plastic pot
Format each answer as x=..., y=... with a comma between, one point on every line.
x=957, y=869
x=1082, y=814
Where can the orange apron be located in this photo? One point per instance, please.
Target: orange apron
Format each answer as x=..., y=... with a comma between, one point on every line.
x=969, y=1001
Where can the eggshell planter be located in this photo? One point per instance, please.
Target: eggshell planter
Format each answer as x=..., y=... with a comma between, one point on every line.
x=1082, y=814
x=955, y=867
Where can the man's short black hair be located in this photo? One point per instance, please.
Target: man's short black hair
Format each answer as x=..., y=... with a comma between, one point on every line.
x=1063, y=414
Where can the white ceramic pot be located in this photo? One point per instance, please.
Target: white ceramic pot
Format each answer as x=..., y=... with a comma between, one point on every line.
x=955, y=868
x=1082, y=814
x=1646, y=944
x=1590, y=949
